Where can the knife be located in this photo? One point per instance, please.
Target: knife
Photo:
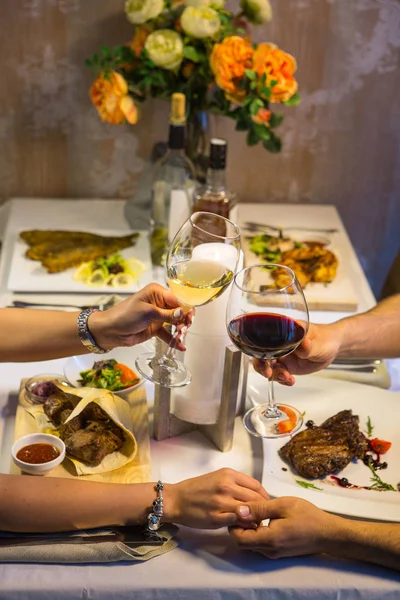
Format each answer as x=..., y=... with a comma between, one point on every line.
x=132, y=538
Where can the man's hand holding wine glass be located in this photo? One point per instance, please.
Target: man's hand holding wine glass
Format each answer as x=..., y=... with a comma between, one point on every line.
x=315, y=353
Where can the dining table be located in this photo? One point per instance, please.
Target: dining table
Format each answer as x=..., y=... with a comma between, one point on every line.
x=206, y=564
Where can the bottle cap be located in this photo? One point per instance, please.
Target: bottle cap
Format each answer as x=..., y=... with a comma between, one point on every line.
x=218, y=149
x=178, y=109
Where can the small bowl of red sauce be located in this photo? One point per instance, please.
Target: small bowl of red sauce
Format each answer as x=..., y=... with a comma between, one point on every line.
x=38, y=453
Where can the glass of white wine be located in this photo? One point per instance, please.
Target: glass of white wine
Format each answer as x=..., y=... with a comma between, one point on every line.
x=201, y=262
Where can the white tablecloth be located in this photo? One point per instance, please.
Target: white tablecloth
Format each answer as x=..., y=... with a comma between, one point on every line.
x=206, y=565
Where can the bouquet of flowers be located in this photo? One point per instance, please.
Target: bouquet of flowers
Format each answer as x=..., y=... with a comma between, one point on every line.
x=204, y=51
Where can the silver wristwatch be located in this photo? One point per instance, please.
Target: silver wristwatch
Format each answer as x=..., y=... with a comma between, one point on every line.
x=84, y=334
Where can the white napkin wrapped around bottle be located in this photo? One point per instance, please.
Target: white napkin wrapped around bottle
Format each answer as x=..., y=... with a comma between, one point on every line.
x=206, y=342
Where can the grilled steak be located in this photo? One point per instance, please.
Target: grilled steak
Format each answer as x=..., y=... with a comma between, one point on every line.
x=89, y=436
x=55, y=406
x=329, y=448
x=92, y=446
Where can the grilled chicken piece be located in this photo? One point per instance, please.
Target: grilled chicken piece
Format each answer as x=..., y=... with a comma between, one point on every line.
x=283, y=279
x=60, y=250
x=309, y=263
x=329, y=448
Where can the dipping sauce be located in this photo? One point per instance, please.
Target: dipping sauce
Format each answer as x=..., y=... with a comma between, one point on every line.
x=37, y=454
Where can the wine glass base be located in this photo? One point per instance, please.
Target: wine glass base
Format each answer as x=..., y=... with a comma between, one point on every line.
x=166, y=372
x=257, y=422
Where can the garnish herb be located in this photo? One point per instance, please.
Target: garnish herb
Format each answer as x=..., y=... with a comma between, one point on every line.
x=377, y=483
x=370, y=427
x=307, y=485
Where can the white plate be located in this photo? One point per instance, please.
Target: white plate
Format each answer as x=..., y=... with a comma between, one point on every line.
x=127, y=356
x=321, y=398
x=29, y=276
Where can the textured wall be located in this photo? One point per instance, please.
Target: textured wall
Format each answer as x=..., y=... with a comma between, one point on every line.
x=341, y=145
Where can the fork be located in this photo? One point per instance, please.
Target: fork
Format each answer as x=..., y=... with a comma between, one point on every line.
x=112, y=301
x=252, y=226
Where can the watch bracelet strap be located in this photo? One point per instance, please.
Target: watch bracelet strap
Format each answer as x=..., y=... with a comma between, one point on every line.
x=84, y=333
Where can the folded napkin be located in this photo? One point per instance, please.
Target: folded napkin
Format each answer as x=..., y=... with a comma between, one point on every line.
x=102, y=552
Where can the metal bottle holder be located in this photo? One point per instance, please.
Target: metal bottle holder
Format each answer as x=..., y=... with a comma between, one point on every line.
x=233, y=397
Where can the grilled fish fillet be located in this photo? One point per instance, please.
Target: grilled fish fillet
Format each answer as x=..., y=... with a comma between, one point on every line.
x=60, y=250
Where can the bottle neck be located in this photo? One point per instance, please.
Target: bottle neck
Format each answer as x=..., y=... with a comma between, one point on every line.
x=176, y=138
x=216, y=179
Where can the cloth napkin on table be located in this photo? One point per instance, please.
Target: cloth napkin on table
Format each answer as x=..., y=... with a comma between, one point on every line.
x=103, y=552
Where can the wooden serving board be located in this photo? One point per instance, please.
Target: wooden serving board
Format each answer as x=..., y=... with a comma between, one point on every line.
x=137, y=471
x=339, y=295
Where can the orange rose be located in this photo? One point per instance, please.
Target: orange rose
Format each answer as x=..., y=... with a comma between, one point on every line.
x=278, y=66
x=139, y=40
x=228, y=62
x=262, y=117
x=110, y=97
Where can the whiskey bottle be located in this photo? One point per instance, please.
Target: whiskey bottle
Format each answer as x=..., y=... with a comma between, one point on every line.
x=214, y=197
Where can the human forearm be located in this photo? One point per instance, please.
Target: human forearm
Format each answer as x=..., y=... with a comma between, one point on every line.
x=374, y=334
x=49, y=504
x=377, y=543
x=34, y=335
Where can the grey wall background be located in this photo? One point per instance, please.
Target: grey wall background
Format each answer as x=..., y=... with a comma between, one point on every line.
x=341, y=146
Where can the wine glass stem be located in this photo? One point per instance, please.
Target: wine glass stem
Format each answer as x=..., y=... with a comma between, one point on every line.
x=272, y=410
x=170, y=351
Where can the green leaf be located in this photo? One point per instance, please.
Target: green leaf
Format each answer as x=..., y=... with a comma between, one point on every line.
x=266, y=92
x=273, y=145
x=88, y=62
x=377, y=483
x=255, y=106
x=96, y=59
x=252, y=138
x=241, y=125
x=191, y=53
x=262, y=131
x=370, y=427
x=106, y=52
x=275, y=120
x=293, y=101
x=307, y=485
x=250, y=74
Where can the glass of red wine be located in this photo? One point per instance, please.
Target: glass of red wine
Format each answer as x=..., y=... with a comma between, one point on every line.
x=267, y=318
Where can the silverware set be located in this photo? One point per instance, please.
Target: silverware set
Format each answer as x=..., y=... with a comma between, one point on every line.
x=131, y=536
x=254, y=227
x=104, y=304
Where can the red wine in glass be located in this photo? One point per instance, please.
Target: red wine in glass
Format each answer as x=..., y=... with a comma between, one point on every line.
x=265, y=335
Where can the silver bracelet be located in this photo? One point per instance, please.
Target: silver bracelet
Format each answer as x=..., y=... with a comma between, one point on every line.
x=155, y=516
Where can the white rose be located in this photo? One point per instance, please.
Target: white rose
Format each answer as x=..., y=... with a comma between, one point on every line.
x=200, y=22
x=198, y=3
x=140, y=11
x=257, y=11
x=165, y=48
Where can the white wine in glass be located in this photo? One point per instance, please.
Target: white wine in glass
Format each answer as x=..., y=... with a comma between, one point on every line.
x=201, y=262
x=197, y=282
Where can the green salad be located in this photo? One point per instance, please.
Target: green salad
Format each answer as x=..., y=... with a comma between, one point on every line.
x=109, y=375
